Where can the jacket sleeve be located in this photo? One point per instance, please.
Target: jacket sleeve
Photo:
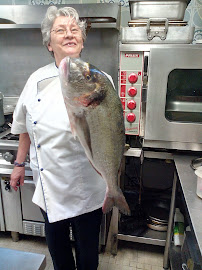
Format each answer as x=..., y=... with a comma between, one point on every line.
x=19, y=115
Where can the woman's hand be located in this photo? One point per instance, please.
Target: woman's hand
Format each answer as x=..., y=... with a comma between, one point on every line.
x=17, y=177
x=18, y=174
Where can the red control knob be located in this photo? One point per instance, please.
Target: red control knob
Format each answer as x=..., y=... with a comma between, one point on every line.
x=131, y=104
x=133, y=77
x=131, y=117
x=132, y=91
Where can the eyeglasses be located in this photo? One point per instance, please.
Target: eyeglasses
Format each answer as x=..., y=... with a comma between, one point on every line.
x=64, y=32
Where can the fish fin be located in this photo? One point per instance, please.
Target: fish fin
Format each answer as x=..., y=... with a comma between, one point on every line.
x=80, y=128
x=71, y=116
x=117, y=199
x=83, y=133
x=73, y=129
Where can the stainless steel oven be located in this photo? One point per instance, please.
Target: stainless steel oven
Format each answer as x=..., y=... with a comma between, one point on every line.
x=18, y=213
x=161, y=92
x=33, y=221
x=174, y=98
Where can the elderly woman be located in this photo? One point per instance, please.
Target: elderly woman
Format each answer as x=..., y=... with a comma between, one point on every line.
x=68, y=190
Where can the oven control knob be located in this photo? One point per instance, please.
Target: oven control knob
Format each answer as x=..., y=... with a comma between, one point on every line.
x=8, y=156
x=132, y=91
x=7, y=185
x=131, y=117
x=133, y=77
x=131, y=104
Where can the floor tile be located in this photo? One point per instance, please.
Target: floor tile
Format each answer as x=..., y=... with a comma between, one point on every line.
x=130, y=256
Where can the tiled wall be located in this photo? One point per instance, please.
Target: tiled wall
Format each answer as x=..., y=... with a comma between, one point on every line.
x=193, y=12
x=193, y=15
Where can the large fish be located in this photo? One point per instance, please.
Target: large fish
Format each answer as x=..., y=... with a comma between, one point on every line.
x=96, y=118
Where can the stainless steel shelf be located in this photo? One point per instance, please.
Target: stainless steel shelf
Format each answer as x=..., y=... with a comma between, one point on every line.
x=31, y=14
x=133, y=152
x=149, y=237
x=20, y=26
x=105, y=25
x=188, y=182
x=136, y=152
x=38, y=26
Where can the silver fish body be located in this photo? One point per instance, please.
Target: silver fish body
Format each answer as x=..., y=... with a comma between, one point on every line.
x=96, y=118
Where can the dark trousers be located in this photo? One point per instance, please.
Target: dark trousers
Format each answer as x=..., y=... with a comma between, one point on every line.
x=86, y=229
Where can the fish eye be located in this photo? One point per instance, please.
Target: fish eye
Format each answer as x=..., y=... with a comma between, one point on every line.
x=88, y=77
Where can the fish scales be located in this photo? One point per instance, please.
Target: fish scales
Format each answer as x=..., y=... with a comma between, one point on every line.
x=96, y=118
x=105, y=132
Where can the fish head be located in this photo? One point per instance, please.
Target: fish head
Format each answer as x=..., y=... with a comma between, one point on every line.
x=82, y=83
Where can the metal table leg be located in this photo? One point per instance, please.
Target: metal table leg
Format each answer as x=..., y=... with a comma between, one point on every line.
x=112, y=240
x=15, y=236
x=170, y=223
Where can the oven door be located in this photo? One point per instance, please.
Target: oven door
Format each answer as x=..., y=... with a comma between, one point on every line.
x=33, y=221
x=174, y=98
x=2, y=224
x=30, y=211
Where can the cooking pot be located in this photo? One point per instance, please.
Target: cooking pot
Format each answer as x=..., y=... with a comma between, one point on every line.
x=157, y=209
x=170, y=9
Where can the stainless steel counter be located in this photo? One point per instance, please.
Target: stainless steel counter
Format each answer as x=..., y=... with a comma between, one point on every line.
x=188, y=181
x=11, y=259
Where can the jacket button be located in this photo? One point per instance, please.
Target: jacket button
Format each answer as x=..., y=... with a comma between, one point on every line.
x=35, y=122
x=39, y=100
x=38, y=146
x=41, y=169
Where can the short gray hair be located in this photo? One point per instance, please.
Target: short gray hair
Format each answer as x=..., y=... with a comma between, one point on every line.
x=51, y=14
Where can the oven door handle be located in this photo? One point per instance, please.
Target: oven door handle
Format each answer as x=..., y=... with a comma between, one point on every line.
x=29, y=181
x=145, y=78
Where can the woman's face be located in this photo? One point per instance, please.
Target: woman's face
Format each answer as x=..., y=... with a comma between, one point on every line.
x=66, y=39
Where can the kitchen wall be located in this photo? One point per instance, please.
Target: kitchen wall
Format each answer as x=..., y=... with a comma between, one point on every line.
x=193, y=12
x=193, y=15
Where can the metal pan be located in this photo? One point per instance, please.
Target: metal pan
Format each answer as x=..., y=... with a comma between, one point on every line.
x=170, y=9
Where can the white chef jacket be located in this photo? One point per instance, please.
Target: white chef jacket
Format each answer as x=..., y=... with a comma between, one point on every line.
x=66, y=183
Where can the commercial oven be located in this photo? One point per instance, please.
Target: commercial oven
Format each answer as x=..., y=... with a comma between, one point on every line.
x=18, y=213
x=160, y=87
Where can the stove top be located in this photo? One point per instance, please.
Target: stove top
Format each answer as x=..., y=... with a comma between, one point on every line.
x=5, y=130
x=8, y=141
x=7, y=135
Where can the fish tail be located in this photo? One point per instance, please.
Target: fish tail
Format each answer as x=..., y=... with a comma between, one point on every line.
x=115, y=199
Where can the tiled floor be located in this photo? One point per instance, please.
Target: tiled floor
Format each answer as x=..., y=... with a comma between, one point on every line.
x=131, y=256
